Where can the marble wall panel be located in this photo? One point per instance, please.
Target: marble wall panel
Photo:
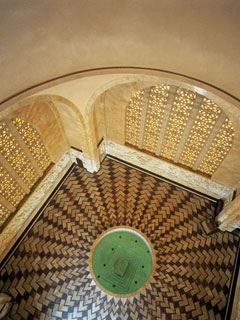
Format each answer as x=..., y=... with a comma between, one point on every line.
x=72, y=126
x=99, y=118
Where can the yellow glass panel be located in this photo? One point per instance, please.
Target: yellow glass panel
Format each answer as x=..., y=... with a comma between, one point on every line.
x=203, y=125
x=133, y=118
x=14, y=155
x=4, y=214
x=9, y=189
x=181, y=109
x=218, y=149
x=33, y=141
x=156, y=107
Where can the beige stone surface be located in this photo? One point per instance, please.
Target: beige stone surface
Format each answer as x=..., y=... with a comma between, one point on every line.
x=72, y=126
x=44, y=39
x=99, y=118
x=80, y=91
x=229, y=217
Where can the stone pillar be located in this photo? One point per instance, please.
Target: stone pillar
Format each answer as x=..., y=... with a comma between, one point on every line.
x=89, y=164
x=229, y=218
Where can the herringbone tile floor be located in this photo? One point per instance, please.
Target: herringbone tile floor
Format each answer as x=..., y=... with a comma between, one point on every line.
x=49, y=277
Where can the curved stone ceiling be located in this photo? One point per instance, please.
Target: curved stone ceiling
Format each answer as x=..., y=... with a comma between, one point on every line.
x=42, y=40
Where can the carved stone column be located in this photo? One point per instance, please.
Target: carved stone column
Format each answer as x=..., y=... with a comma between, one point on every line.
x=229, y=218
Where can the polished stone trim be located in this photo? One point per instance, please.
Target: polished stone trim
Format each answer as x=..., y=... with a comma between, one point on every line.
x=169, y=171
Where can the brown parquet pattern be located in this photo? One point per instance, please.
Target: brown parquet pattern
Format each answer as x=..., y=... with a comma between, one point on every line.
x=48, y=275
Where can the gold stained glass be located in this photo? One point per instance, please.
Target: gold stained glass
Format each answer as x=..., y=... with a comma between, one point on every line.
x=218, y=149
x=133, y=118
x=14, y=155
x=4, y=214
x=181, y=109
x=156, y=107
x=171, y=124
x=20, y=163
x=203, y=125
x=33, y=141
x=9, y=188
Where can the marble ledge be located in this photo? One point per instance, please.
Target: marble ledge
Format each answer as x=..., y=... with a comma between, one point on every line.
x=169, y=171
x=88, y=164
x=30, y=208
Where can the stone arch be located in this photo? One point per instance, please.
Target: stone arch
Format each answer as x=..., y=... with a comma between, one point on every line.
x=78, y=122
x=43, y=118
x=143, y=79
x=130, y=74
x=123, y=89
x=59, y=116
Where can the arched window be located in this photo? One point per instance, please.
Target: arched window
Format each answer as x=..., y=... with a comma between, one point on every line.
x=23, y=160
x=180, y=126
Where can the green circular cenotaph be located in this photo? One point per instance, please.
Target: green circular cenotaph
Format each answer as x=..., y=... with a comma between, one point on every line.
x=121, y=261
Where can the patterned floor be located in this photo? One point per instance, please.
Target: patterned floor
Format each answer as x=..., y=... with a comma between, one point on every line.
x=48, y=275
